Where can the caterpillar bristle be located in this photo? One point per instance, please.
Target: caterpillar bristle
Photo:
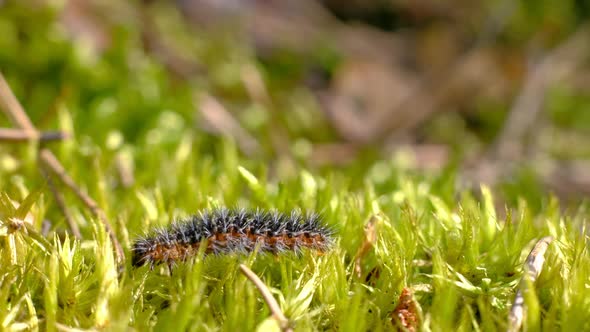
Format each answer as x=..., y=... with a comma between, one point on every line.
x=232, y=231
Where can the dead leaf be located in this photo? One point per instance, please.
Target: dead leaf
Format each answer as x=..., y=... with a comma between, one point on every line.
x=368, y=242
x=406, y=315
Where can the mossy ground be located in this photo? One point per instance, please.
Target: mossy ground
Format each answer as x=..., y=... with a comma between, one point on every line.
x=460, y=252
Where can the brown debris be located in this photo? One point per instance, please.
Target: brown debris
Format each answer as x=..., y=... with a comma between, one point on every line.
x=406, y=315
x=372, y=276
x=367, y=245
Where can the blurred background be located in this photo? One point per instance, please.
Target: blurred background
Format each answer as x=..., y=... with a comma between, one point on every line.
x=498, y=90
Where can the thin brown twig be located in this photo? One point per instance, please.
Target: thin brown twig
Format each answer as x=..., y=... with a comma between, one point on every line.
x=20, y=135
x=59, y=199
x=49, y=160
x=273, y=305
x=533, y=266
x=12, y=107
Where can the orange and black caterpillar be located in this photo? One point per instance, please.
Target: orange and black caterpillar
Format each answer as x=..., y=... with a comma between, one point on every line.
x=232, y=230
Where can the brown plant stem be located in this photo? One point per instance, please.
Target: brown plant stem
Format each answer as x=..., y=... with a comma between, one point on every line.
x=273, y=305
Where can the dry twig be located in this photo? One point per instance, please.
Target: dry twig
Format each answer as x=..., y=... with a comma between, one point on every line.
x=14, y=110
x=532, y=269
x=61, y=203
x=19, y=135
x=49, y=160
x=273, y=305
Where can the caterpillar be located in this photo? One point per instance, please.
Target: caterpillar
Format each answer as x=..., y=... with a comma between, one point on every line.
x=232, y=231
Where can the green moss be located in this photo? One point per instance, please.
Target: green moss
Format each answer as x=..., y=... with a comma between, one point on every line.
x=461, y=254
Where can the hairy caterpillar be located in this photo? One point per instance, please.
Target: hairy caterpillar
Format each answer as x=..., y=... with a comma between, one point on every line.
x=232, y=230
